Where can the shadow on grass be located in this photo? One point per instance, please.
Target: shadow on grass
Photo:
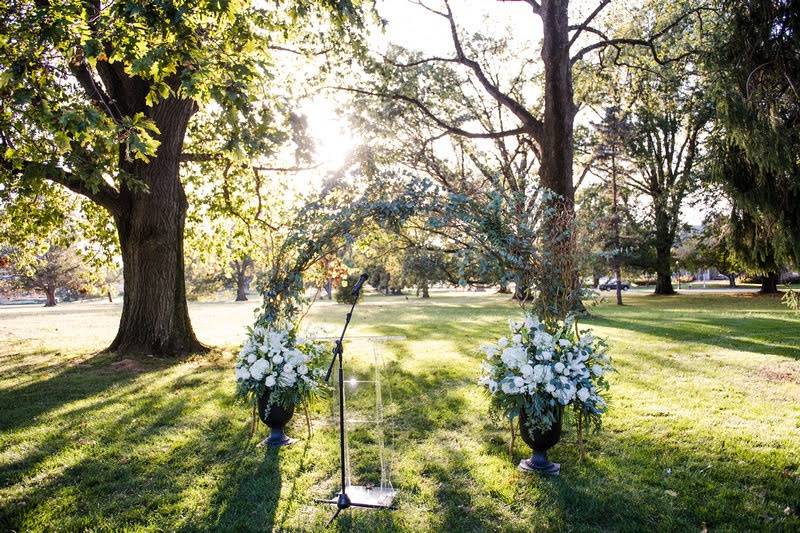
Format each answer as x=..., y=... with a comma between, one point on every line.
x=136, y=451
x=748, y=334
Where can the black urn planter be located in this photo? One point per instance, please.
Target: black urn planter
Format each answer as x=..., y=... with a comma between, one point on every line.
x=540, y=442
x=276, y=417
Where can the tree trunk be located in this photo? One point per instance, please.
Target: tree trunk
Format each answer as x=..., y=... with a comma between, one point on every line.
x=329, y=288
x=503, y=287
x=555, y=173
x=615, y=222
x=242, y=281
x=618, y=276
x=770, y=283
x=425, y=293
x=663, y=255
x=240, y=267
x=110, y=299
x=50, y=292
x=150, y=225
x=732, y=280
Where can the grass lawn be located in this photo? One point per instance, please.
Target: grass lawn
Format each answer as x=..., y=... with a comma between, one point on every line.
x=704, y=429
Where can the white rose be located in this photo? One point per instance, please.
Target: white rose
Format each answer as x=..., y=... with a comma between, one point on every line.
x=516, y=338
x=519, y=382
x=564, y=342
x=597, y=370
x=526, y=369
x=490, y=350
x=251, y=358
x=550, y=388
x=538, y=373
x=277, y=359
x=242, y=373
x=287, y=379
x=502, y=342
x=302, y=370
x=270, y=380
x=259, y=368
x=583, y=394
x=531, y=321
x=559, y=367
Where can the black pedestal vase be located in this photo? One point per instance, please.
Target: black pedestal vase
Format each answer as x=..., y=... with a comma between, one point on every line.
x=276, y=417
x=540, y=441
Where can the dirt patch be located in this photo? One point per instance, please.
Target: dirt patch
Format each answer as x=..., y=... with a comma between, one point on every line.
x=126, y=365
x=782, y=372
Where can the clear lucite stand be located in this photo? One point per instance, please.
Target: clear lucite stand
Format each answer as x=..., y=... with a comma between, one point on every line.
x=369, y=427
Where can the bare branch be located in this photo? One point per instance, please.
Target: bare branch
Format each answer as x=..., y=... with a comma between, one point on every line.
x=649, y=43
x=428, y=113
x=531, y=123
x=585, y=24
x=536, y=6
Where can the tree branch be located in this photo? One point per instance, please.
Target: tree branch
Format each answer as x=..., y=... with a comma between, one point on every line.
x=531, y=123
x=585, y=24
x=428, y=113
x=101, y=192
x=648, y=43
x=536, y=6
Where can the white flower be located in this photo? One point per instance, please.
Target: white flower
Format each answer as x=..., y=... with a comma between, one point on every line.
x=546, y=355
x=550, y=388
x=564, y=342
x=287, y=379
x=583, y=394
x=587, y=339
x=597, y=370
x=295, y=357
x=542, y=338
x=489, y=349
x=242, y=373
x=519, y=382
x=259, y=368
x=252, y=358
x=514, y=357
x=531, y=321
x=502, y=342
x=516, y=338
x=302, y=370
x=526, y=369
x=559, y=367
x=270, y=380
x=508, y=387
x=277, y=359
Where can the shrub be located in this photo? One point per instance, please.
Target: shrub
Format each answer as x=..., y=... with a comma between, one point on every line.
x=344, y=292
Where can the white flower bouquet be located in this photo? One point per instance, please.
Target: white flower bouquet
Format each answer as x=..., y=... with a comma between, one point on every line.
x=543, y=368
x=291, y=369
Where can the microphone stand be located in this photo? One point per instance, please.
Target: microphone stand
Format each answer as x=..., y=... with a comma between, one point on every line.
x=343, y=500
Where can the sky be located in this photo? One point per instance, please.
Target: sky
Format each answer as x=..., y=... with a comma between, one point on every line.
x=411, y=26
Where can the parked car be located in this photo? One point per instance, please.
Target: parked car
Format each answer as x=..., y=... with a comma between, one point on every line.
x=611, y=285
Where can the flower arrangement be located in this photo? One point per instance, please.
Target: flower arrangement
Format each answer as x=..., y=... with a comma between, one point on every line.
x=276, y=360
x=545, y=367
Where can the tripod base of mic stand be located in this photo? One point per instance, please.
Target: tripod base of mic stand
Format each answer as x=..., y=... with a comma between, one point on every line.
x=363, y=496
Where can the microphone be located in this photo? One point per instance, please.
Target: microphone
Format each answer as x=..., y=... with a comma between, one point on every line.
x=359, y=283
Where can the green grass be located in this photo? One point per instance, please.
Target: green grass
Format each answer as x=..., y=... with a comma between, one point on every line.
x=704, y=428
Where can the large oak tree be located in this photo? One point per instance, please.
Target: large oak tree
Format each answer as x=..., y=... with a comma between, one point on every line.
x=98, y=96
